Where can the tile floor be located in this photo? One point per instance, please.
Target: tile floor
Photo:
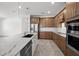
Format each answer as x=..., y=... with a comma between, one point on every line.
x=47, y=48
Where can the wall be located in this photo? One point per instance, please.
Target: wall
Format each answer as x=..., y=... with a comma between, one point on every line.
x=14, y=25
x=10, y=26
x=11, y=19
x=1, y=30
x=10, y=22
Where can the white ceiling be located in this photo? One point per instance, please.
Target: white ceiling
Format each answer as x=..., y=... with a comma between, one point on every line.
x=35, y=8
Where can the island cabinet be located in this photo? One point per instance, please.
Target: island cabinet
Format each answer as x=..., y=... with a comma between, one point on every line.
x=72, y=10
x=60, y=41
x=27, y=50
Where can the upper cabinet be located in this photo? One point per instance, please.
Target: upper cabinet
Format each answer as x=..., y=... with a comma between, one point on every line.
x=72, y=10
x=46, y=22
x=77, y=8
x=59, y=18
x=35, y=20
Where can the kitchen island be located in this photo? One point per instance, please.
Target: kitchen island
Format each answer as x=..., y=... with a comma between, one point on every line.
x=11, y=46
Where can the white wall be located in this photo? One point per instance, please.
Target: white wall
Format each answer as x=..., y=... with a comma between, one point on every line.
x=11, y=26
x=10, y=19
x=1, y=30
x=14, y=24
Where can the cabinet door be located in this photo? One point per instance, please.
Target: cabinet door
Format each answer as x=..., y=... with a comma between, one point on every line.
x=62, y=44
x=77, y=8
x=42, y=35
x=35, y=20
x=67, y=10
x=56, y=21
x=73, y=7
x=60, y=41
x=45, y=35
x=70, y=9
x=55, y=38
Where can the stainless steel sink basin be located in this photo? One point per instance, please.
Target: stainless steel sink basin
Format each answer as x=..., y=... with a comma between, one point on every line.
x=28, y=35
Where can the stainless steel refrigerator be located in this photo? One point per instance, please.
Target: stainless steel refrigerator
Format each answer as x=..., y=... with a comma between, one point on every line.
x=34, y=28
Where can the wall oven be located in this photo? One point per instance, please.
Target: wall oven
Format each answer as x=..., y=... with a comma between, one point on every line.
x=73, y=34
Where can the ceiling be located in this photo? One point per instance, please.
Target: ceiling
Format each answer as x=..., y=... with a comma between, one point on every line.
x=12, y=9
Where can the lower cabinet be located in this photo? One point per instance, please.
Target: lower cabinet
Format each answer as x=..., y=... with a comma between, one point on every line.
x=70, y=52
x=45, y=35
x=60, y=41
x=62, y=44
x=27, y=50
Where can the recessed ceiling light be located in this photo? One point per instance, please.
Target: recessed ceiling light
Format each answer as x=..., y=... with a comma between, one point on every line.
x=49, y=12
x=52, y=2
x=19, y=7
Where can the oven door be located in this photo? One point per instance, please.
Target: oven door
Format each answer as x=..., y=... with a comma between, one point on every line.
x=73, y=41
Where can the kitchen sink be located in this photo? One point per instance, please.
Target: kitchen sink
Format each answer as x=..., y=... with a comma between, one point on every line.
x=28, y=35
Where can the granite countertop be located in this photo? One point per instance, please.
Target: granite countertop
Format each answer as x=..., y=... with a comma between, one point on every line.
x=12, y=45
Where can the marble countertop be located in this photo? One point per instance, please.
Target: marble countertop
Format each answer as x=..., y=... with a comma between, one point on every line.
x=61, y=34
x=59, y=31
x=10, y=46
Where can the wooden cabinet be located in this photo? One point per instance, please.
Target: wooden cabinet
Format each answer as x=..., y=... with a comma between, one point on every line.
x=77, y=8
x=60, y=41
x=62, y=44
x=59, y=19
x=35, y=20
x=45, y=35
x=72, y=10
x=70, y=52
x=46, y=22
x=56, y=22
